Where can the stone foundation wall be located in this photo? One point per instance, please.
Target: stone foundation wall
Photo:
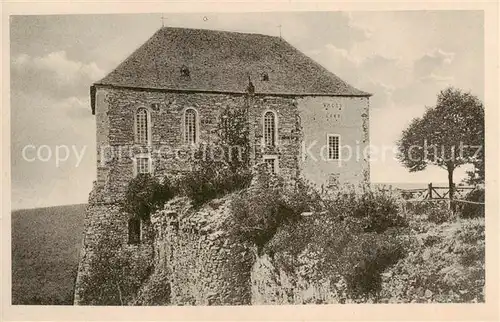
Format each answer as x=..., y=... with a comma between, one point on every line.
x=195, y=261
x=202, y=266
x=106, y=219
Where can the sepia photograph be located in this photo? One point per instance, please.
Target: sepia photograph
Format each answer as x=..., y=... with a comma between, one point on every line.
x=248, y=158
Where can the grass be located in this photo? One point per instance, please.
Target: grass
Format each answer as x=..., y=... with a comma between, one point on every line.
x=46, y=245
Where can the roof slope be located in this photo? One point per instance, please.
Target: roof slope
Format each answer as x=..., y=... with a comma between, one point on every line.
x=222, y=61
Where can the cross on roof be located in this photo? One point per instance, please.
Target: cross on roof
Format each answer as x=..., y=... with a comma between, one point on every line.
x=163, y=20
x=279, y=26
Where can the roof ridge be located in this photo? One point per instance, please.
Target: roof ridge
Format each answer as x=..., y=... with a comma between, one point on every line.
x=220, y=30
x=220, y=61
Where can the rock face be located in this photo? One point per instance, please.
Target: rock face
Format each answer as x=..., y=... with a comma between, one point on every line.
x=301, y=285
x=193, y=249
x=196, y=262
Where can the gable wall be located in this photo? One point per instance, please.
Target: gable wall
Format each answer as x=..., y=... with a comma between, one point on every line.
x=345, y=116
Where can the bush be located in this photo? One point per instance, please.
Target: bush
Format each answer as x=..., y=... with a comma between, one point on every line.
x=216, y=168
x=211, y=178
x=342, y=250
x=258, y=212
x=365, y=257
x=146, y=194
x=436, y=212
x=468, y=210
x=352, y=239
x=372, y=210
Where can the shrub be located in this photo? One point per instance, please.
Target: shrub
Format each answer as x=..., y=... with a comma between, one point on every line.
x=372, y=210
x=351, y=239
x=469, y=210
x=436, y=212
x=365, y=257
x=146, y=194
x=258, y=212
x=224, y=166
x=342, y=250
x=211, y=177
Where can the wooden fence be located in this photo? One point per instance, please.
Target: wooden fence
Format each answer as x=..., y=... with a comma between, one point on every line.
x=437, y=193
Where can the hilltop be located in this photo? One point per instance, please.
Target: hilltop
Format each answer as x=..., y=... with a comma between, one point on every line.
x=45, y=248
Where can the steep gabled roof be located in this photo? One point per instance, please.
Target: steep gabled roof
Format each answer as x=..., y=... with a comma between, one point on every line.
x=222, y=61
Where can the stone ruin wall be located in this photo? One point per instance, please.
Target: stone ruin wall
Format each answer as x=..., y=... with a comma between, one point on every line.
x=203, y=268
x=193, y=250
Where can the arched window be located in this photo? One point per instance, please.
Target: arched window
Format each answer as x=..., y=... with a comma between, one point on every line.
x=269, y=129
x=142, y=126
x=190, y=126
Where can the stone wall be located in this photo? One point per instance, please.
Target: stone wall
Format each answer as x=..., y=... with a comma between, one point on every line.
x=196, y=262
x=116, y=148
x=106, y=219
x=201, y=264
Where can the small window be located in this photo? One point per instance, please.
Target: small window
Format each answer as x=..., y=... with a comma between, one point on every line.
x=143, y=165
x=264, y=77
x=142, y=126
x=190, y=126
x=333, y=147
x=185, y=71
x=134, y=231
x=269, y=129
x=271, y=163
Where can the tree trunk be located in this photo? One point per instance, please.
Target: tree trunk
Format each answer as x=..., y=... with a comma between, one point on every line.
x=450, y=169
x=451, y=186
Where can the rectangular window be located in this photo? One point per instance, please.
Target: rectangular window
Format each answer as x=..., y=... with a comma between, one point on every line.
x=143, y=165
x=271, y=163
x=333, y=147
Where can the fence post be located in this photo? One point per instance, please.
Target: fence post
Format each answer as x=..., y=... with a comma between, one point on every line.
x=430, y=191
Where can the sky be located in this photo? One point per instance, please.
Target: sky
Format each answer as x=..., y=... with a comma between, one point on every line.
x=403, y=57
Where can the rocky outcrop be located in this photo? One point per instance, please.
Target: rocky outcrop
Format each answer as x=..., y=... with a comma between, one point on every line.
x=194, y=250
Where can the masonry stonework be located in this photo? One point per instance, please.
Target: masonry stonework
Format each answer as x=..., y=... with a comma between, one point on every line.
x=192, y=248
x=116, y=148
x=224, y=71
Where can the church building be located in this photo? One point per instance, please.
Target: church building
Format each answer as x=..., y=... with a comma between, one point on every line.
x=167, y=97
x=168, y=94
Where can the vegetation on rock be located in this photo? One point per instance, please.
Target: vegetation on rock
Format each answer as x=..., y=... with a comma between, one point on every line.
x=146, y=194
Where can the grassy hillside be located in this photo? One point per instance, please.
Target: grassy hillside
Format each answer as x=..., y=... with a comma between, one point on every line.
x=45, y=248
